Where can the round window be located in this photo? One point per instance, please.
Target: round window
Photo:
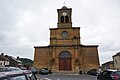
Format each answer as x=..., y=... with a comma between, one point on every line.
x=64, y=34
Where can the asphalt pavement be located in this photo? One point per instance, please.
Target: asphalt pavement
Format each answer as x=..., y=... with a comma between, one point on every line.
x=66, y=77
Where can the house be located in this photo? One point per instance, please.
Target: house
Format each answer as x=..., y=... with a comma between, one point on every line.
x=107, y=65
x=14, y=62
x=116, y=59
x=3, y=60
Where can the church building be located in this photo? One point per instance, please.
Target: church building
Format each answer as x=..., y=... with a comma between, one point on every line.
x=65, y=53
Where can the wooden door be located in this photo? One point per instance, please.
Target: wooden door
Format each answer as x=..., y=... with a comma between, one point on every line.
x=65, y=64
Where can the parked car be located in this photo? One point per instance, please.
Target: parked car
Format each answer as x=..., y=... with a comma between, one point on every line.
x=92, y=72
x=13, y=68
x=44, y=71
x=23, y=68
x=115, y=75
x=17, y=75
x=106, y=75
x=6, y=69
x=3, y=69
x=34, y=70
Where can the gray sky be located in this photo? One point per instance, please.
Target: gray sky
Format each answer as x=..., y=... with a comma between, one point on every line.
x=25, y=24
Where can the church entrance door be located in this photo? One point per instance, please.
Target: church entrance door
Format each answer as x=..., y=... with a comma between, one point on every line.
x=65, y=61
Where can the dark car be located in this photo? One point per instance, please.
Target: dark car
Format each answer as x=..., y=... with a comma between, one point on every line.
x=34, y=70
x=115, y=75
x=106, y=75
x=17, y=75
x=44, y=71
x=92, y=72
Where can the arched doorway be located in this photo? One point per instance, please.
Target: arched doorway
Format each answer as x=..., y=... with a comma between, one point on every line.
x=65, y=61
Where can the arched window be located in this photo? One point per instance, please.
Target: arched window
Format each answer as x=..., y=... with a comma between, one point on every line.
x=66, y=19
x=62, y=19
x=65, y=54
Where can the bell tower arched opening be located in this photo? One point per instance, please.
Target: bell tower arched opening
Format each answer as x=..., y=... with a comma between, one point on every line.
x=62, y=19
x=66, y=19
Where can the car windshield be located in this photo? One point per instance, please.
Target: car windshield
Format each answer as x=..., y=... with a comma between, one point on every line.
x=13, y=69
x=44, y=69
x=3, y=69
x=33, y=68
x=117, y=72
x=22, y=77
x=17, y=75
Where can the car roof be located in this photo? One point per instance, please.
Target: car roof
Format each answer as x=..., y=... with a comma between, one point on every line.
x=111, y=70
x=10, y=69
x=10, y=73
x=13, y=67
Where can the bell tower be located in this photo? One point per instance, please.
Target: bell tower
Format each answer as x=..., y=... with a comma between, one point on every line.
x=65, y=34
x=64, y=17
x=65, y=53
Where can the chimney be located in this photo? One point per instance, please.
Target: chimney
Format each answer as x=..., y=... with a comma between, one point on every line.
x=17, y=57
x=2, y=54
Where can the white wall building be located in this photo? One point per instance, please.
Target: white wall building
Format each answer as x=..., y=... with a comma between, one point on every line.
x=3, y=61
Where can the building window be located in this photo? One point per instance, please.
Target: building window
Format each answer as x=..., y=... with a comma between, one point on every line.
x=64, y=34
x=116, y=61
x=62, y=19
x=4, y=62
x=0, y=64
x=66, y=19
x=65, y=54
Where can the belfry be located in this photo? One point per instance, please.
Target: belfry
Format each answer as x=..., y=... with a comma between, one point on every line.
x=65, y=53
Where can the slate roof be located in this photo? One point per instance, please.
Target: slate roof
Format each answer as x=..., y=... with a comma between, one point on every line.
x=3, y=58
x=118, y=54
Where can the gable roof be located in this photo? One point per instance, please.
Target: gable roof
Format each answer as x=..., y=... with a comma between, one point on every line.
x=118, y=54
x=3, y=58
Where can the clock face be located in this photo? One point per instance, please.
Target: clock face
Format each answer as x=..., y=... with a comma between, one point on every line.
x=64, y=34
x=64, y=13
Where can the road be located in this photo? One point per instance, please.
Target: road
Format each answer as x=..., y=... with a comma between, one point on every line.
x=67, y=77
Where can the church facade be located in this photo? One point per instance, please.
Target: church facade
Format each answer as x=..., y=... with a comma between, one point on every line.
x=65, y=52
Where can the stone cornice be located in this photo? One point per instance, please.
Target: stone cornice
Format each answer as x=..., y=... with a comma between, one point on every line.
x=65, y=28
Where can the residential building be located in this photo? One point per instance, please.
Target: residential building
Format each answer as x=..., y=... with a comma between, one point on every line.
x=3, y=60
x=14, y=62
x=116, y=59
x=107, y=65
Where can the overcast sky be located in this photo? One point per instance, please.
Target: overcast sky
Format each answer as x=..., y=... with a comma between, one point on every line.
x=25, y=24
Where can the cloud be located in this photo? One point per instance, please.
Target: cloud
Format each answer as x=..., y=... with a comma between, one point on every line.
x=25, y=24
